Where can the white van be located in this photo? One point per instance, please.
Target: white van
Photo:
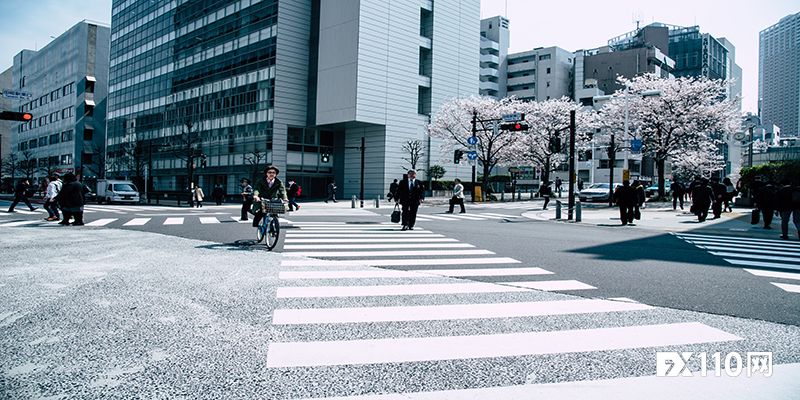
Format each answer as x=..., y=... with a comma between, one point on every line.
x=111, y=191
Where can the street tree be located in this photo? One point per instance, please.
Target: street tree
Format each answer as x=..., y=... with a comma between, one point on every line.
x=255, y=161
x=546, y=142
x=435, y=172
x=686, y=114
x=99, y=164
x=461, y=118
x=28, y=165
x=413, y=150
x=189, y=148
x=703, y=161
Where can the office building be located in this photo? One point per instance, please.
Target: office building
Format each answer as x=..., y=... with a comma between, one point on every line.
x=68, y=79
x=779, y=75
x=495, y=38
x=246, y=83
x=540, y=74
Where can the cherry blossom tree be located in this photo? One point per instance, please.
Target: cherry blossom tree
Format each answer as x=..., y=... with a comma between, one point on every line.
x=703, y=161
x=548, y=123
x=453, y=125
x=687, y=113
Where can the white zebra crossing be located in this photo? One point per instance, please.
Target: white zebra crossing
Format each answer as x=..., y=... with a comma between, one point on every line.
x=470, y=216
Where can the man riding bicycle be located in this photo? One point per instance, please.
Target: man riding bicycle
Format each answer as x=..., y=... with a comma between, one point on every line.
x=267, y=188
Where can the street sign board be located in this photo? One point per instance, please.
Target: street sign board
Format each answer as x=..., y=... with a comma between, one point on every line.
x=472, y=155
x=14, y=94
x=472, y=140
x=472, y=162
x=512, y=117
x=636, y=145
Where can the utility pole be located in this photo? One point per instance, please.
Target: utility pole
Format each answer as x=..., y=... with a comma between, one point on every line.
x=474, y=133
x=571, y=191
x=611, y=156
x=363, y=146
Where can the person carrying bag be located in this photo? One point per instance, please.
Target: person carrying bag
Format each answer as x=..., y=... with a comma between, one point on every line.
x=458, y=197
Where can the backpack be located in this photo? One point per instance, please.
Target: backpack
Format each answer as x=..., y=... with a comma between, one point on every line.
x=299, y=189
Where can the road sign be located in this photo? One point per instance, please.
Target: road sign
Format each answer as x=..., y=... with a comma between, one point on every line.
x=472, y=162
x=472, y=140
x=636, y=145
x=472, y=155
x=512, y=117
x=13, y=94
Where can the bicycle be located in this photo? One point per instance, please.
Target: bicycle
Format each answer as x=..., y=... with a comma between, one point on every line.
x=270, y=227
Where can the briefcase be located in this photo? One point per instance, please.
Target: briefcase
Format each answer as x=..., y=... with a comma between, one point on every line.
x=754, y=217
x=396, y=214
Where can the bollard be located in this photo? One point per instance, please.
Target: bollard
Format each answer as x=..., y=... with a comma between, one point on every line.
x=578, y=211
x=558, y=209
x=353, y=202
x=531, y=195
x=377, y=201
x=519, y=195
x=503, y=196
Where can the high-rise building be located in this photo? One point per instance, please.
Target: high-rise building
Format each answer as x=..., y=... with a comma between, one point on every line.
x=68, y=79
x=779, y=75
x=245, y=83
x=540, y=74
x=494, y=50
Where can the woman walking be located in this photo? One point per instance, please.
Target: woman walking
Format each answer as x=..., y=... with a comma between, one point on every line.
x=197, y=196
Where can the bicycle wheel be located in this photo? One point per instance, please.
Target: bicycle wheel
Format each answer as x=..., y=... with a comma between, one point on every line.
x=273, y=231
x=262, y=229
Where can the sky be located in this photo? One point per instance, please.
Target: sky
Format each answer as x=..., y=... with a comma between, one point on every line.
x=572, y=25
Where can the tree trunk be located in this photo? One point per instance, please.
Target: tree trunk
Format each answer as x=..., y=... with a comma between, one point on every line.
x=660, y=166
x=485, y=183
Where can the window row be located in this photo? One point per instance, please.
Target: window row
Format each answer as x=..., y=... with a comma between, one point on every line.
x=46, y=162
x=47, y=119
x=55, y=138
x=54, y=95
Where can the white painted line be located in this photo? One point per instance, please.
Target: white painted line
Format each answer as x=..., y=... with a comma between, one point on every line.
x=394, y=239
x=754, y=246
x=774, y=274
x=173, y=221
x=788, y=287
x=625, y=299
x=285, y=221
x=756, y=256
x=487, y=272
x=440, y=217
x=297, y=354
x=441, y=312
x=752, y=263
x=209, y=220
x=424, y=219
x=470, y=217
x=389, y=253
x=388, y=230
x=101, y=222
x=324, y=223
x=355, y=227
x=398, y=234
x=400, y=262
x=137, y=222
x=379, y=273
x=392, y=290
x=374, y=246
x=552, y=285
x=730, y=238
x=239, y=220
x=502, y=215
x=20, y=223
x=484, y=215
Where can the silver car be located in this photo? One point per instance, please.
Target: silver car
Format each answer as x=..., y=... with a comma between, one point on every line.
x=595, y=192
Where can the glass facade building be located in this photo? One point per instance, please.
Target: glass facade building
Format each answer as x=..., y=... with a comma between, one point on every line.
x=779, y=75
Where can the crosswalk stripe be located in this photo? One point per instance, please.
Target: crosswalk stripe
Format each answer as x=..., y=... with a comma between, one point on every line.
x=732, y=238
x=440, y=217
x=393, y=290
x=388, y=273
x=383, y=234
x=487, y=272
x=387, y=230
x=209, y=220
x=298, y=354
x=20, y=223
x=390, y=253
x=239, y=220
x=373, y=246
x=774, y=274
x=747, y=247
x=788, y=287
x=752, y=263
x=750, y=250
x=173, y=221
x=400, y=262
x=101, y=222
x=137, y=222
x=502, y=215
x=552, y=285
x=450, y=311
x=756, y=256
x=470, y=217
x=370, y=240
x=376, y=228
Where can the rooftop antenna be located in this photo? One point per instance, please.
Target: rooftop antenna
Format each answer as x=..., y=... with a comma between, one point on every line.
x=638, y=19
x=506, y=14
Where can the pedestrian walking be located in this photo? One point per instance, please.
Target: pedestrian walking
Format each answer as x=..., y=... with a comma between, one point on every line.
x=720, y=192
x=765, y=202
x=21, y=193
x=218, y=193
x=410, y=195
x=71, y=199
x=580, y=184
x=247, y=198
x=331, y=192
x=546, y=191
x=558, y=186
x=197, y=196
x=640, y=198
x=702, y=197
x=787, y=204
x=730, y=193
x=53, y=187
x=458, y=196
x=292, y=191
x=677, y=190
x=392, y=190
x=626, y=198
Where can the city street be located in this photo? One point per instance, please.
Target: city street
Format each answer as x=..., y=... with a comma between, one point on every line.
x=162, y=301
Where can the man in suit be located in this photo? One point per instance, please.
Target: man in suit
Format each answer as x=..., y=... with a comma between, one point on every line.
x=626, y=199
x=410, y=195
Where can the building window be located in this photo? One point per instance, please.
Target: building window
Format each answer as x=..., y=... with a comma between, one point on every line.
x=54, y=138
x=88, y=134
x=548, y=84
x=33, y=143
x=544, y=57
x=66, y=136
x=53, y=160
x=548, y=70
x=43, y=141
x=66, y=159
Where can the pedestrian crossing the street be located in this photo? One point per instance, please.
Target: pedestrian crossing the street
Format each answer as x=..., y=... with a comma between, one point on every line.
x=417, y=287
x=754, y=252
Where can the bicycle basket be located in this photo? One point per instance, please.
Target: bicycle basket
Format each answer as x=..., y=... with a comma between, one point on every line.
x=274, y=208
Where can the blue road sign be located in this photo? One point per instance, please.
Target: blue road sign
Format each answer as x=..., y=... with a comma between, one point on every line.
x=472, y=155
x=636, y=145
x=472, y=140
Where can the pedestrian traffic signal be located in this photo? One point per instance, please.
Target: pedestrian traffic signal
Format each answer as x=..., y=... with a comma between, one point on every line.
x=15, y=116
x=515, y=127
x=457, y=155
x=326, y=155
x=202, y=162
x=555, y=145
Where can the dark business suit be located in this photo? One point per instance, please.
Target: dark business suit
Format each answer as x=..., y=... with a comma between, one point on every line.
x=410, y=195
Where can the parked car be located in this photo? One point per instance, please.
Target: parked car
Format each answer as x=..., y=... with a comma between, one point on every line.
x=595, y=192
x=653, y=190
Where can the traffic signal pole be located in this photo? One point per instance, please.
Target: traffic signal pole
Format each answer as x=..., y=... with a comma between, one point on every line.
x=571, y=191
x=474, y=133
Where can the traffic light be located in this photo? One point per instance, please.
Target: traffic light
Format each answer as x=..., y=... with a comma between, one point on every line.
x=457, y=156
x=326, y=155
x=515, y=127
x=202, y=161
x=15, y=116
x=555, y=145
